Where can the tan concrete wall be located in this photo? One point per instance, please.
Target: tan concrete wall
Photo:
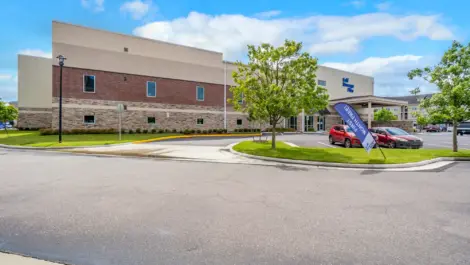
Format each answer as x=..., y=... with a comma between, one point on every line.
x=115, y=42
x=363, y=85
x=96, y=59
x=34, y=82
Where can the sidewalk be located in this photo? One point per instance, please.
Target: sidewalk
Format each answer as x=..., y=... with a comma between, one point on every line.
x=10, y=259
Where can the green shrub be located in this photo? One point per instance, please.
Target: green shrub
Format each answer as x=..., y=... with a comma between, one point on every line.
x=138, y=130
x=204, y=131
x=161, y=131
x=186, y=131
x=154, y=130
x=173, y=131
x=198, y=131
x=131, y=131
x=192, y=131
x=123, y=131
x=145, y=131
x=311, y=129
x=167, y=131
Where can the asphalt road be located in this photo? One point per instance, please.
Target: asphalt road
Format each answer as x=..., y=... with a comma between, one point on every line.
x=87, y=210
x=431, y=140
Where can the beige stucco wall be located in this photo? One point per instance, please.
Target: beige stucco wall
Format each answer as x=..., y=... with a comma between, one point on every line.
x=363, y=85
x=115, y=42
x=96, y=59
x=34, y=82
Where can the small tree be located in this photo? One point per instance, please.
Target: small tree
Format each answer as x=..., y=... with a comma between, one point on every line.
x=422, y=120
x=7, y=113
x=452, y=77
x=277, y=82
x=384, y=115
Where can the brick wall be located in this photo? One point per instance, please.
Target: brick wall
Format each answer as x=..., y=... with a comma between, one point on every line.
x=127, y=87
x=34, y=120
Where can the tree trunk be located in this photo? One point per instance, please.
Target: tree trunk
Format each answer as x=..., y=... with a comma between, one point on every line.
x=5, y=127
x=455, y=147
x=273, y=141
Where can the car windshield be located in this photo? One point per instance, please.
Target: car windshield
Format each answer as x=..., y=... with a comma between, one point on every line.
x=348, y=129
x=396, y=131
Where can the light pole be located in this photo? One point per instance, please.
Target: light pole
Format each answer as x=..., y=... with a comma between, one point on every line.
x=61, y=64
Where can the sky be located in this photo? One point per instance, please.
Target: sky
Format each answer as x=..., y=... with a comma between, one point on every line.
x=383, y=39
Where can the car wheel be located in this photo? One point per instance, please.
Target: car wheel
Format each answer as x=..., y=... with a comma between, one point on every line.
x=392, y=145
x=347, y=143
x=331, y=140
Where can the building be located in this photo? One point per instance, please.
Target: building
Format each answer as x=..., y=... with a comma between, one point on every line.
x=163, y=85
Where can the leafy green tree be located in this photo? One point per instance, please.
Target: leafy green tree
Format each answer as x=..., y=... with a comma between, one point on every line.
x=277, y=82
x=452, y=77
x=384, y=115
x=7, y=113
x=415, y=91
x=422, y=120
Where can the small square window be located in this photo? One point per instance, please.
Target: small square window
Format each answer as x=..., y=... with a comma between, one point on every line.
x=151, y=120
x=239, y=121
x=321, y=82
x=151, y=89
x=89, y=83
x=89, y=119
x=200, y=93
x=126, y=49
x=200, y=121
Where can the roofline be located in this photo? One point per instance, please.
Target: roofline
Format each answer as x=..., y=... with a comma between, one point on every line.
x=134, y=36
x=364, y=99
x=336, y=69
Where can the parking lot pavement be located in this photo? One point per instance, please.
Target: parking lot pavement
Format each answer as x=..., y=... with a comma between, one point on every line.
x=444, y=140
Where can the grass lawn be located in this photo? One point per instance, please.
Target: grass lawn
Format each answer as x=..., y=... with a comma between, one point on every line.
x=32, y=138
x=345, y=155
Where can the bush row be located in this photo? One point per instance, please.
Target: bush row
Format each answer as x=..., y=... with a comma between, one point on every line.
x=281, y=130
x=77, y=131
x=112, y=131
x=247, y=130
x=210, y=131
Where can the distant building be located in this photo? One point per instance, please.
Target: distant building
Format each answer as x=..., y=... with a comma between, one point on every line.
x=405, y=112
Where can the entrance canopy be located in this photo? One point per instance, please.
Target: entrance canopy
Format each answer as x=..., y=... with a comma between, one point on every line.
x=373, y=100
x=369, y=102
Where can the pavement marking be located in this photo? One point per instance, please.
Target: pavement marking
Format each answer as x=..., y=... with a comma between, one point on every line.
x=329, y=145
x=440, y=145
x=291, y=144
x=10, y=259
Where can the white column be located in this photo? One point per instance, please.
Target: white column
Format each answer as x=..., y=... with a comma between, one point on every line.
x=303, y=121
x=225, y=95
x=369, y=114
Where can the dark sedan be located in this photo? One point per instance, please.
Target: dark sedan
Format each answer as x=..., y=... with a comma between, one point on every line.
x=396, y=138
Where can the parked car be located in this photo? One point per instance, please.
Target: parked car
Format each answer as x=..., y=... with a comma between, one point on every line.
x=463, y=128
x=344, y=135
x=2, y=126
x=396, y=138
x=433, y=128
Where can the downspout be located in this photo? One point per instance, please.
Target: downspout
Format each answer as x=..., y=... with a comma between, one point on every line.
x=225, y=95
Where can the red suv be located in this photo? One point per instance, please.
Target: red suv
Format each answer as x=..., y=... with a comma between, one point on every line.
x=344, y=135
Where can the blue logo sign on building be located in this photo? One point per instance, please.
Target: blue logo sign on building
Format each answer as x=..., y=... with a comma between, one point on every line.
x=350, y=87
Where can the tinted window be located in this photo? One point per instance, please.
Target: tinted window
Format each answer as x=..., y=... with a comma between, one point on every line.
x=89, y=119
x=151, y=89
x=200, y=121
x=337, y=128
x=396, y=131
x=239, y=122
x=321, y=82
x=151, y=120
x=464, y=125
x=200, y=93
x=89, y=83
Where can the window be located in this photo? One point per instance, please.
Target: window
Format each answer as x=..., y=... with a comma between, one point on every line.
x=200, y=121
x=89, y=83
x=200, y=93
x=239, y=121
x=126, y=49
x=337, y=128
x=240, y=101
x=413, y=108
x=321, y=82
x=89, y=119
x=388, y=108
x=396, y=131
x=151, y=89
x=151, y=120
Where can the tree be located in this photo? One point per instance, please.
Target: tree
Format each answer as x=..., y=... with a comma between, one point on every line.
x=7, y=113
x=277, y=82
x=415, y=91
x=384, y=115
x=452, y=77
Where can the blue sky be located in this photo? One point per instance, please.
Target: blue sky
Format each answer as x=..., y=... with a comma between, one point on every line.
x=384, y=39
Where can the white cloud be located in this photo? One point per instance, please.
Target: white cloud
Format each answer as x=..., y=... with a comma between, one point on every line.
x=357, y=3
x=6, y=77
x=347, y=45
x=268, y=14
x=36, y=52
x=384, y=6
x=231, y=33
x=95, y=5
x=137, y=9
x=390, y=73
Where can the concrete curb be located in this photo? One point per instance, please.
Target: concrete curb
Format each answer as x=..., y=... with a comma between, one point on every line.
x=195, y=136
x=14, y=147
x=344, y=165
